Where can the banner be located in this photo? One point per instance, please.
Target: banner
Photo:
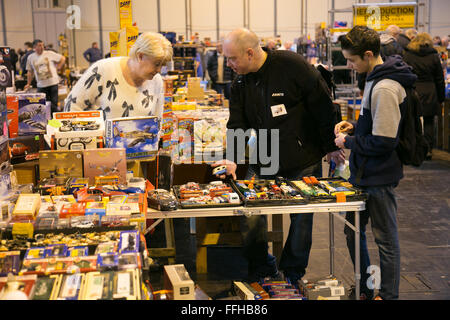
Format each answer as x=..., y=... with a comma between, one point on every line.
x=125, y=13
x=114, y=44
x=379, y=16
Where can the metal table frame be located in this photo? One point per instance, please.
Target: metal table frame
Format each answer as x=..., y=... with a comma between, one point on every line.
x=333, y=209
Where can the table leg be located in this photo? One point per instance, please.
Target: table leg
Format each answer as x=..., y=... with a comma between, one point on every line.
x=357, y=256
x=331, y=235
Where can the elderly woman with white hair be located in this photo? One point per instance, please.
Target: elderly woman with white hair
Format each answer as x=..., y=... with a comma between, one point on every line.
x=125, y=86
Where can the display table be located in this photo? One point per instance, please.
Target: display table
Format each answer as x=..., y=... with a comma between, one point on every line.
x=333, y=209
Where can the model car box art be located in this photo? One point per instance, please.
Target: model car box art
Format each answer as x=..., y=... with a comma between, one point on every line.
x=105, y=162
x=138, y=135
x=33, y=113
x=76, y=130
x=26, y=148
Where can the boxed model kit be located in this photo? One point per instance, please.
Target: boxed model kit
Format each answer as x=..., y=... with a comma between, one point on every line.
x=33, y=113
x=105, y=162
x=76, y=130
x=138, y=135
x=61, y=164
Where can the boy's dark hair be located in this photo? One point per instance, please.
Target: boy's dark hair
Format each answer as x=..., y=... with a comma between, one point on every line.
x=35, y=42
x=28, y=44
x=361, y=39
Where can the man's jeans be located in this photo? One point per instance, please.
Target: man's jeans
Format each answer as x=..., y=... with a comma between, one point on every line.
x=295, y=255
x=381, y=208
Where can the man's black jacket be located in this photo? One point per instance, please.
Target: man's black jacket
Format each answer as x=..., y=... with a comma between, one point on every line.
x=307, y=130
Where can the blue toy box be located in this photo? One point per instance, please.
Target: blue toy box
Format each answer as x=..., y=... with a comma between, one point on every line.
x=138, y=135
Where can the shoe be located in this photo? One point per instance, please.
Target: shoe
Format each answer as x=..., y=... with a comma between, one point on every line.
x=378, y=298
x=363, y=295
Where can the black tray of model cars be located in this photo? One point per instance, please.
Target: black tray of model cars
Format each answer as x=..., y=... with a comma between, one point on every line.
x=262, y=193
x=325, y=190
x=216, y=194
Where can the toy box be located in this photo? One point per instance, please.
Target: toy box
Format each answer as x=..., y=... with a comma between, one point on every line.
x=70, y=287
x=26, y=148
x=9, y=262
x=76, y=130
x=60, y=164
x=6, y=68
x=129, y=241
x=5, y=164
x=71, y=210
x=78, y=183
x=27, y=205
x=33, y=114
x=138, y=135
x=45, y=288
x=12, y=103
x=105, y=162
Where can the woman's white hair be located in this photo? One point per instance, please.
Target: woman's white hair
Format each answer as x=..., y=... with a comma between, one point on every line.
x=154, y=45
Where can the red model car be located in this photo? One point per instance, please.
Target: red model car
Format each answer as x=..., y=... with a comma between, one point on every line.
x=19, y=149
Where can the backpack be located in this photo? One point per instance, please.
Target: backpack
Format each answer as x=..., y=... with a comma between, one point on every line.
x=412, y=146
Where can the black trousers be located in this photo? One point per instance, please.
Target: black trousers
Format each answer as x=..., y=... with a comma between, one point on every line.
x=429, y=131
x=51, y=94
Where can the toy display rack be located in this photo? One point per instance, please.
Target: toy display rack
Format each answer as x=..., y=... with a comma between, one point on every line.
x=333, y=209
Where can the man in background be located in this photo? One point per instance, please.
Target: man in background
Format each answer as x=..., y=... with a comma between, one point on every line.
x=44, y=65
x=93, y=54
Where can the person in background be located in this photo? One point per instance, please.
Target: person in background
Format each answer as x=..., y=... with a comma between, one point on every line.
x=14, y=59
x=198, y=63
x=389, y=43
x=44, y=66
x=93, y=54
x=286, y=45
x=271, y=44
x=411, y=33
x=278, y=91
x=23, y=61
x=374, y=163
x=220, y=73
x=125, y=86
x=425, y=61
x=403, y=39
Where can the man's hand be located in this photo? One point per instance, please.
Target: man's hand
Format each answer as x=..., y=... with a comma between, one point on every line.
x=343, y=126
x=26, y=87
x=340, y=140
x=337, y=156
x=230, y=165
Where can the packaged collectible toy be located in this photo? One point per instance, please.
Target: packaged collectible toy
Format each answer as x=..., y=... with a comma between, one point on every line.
x=105, y=162
x=45, y=288
x=34, y=113
x=60, y=164
x=139, y=135
x=129, y=241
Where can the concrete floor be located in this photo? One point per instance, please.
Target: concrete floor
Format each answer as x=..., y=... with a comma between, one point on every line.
x=424, y=223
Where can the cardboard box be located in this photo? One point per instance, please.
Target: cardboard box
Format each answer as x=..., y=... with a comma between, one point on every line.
x=27, y=204
x=26, y=148
x=138, y=135
x=12, y=103
x=105, y=162
x=61, y=164
x=33, y=114
x=76, y=130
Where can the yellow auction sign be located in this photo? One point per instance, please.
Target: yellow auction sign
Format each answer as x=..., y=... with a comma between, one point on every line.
x=125, y=13
x=379, y=16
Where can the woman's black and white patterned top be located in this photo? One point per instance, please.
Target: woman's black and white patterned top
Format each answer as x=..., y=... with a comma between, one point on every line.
x=103, y=87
